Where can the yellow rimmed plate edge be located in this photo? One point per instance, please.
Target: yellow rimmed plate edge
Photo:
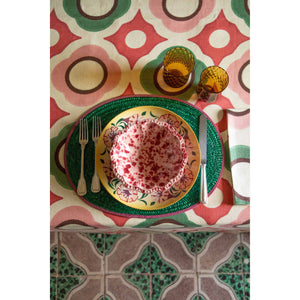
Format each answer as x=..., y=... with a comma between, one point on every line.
x=100, y=147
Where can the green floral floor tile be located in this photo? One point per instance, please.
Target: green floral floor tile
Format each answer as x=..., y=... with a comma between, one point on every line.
x=143, y=271
x=98, y=239
x=65, y=285
x=200, y=240
x=189, y=240
x=153, y=272
x=110, y=241
x=66, y=267
x=142, y=264
x=245, y=259
x=52, y=288
x=158, y=265
x=53, y=261
x=233, y=264
x=160, y=282
x=150, y=261
x=246, y=278
x=142, y=281
x=235, y=281
x=104, y=242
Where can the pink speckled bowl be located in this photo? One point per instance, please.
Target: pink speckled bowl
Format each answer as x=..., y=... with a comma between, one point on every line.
x=148, y=156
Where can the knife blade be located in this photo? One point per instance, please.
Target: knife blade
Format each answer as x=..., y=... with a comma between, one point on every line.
x=203, y=148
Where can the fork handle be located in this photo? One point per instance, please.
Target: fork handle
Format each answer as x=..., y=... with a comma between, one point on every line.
x=81, y=187
x=96, y=187
x=95, y=183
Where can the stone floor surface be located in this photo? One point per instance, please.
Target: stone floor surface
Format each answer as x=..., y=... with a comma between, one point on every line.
x=181, y=266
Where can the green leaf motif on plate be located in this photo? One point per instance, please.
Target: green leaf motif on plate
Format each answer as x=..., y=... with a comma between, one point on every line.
x=103, y=151
x=174, y=192
x=143, y=201
x=114, y=183
x=183, y=131
x=152, y=115
x=191, y=163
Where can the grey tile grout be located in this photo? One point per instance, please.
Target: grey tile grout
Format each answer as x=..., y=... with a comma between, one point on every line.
x=240, y=248
x=57, y=266
x=104, y=267
x=196, y=266
x=243, y=273
x=156, y=274
x=150, y=236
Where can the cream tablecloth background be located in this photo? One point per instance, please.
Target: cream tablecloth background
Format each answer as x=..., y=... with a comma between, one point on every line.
x=99, y=52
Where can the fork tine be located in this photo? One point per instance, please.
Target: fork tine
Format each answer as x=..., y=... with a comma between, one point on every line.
x=97, y=122
x=83, y=129
x=96, y=126
x=93, y=130
x=80, y=130
x=100, y=129
x=86, y=130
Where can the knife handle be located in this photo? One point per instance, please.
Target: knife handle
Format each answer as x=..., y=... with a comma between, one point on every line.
x=203, y=184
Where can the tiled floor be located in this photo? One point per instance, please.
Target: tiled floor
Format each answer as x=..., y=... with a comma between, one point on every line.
x=181, y=266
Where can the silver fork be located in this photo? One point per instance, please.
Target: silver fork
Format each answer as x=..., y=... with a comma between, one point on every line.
x=83, y=140
x=96, y=187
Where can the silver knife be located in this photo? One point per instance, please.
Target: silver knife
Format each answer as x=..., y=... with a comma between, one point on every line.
x=203, y=148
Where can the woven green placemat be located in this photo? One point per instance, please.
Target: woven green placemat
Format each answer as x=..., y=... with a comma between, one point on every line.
x=107, y=110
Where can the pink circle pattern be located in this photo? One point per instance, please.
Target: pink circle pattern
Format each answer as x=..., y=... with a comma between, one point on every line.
x=236, y=83
x=78, y=99
x=183, y=25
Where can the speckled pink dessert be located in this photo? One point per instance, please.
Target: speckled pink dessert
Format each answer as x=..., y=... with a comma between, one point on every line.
x=148, y=156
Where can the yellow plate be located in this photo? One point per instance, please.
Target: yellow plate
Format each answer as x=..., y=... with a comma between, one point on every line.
x=136, y=199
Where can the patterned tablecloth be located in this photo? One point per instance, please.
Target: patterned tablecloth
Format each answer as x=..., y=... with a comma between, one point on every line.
x=106, y=49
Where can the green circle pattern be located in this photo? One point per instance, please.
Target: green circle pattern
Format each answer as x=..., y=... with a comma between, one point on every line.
x=70, y=6
x=239, y=9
